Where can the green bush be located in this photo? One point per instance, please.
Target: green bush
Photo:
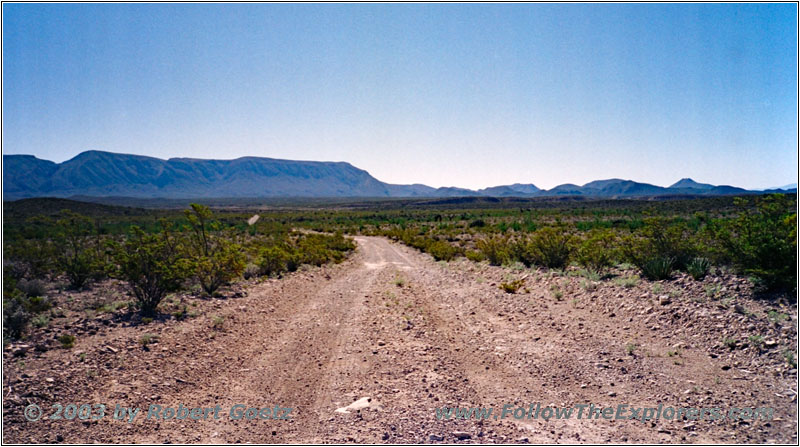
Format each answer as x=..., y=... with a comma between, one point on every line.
x=250, y=271
x=74, y=251
x=762, y=241
x=698, y=268
x=312, y=251
x=495, y=249
x=31, y=288
x=37, y=304
x=523, y=251
x=661, y=239
x=15, y=317
x=512, y=286
x=442, y=251
x=598, y=251
x=550, y=247
x=658, y=268
x=275, y=260
x=223, y=265
x=152, y=265
x=338, y=242
x=34, y=257
x=474, y=256
x=217, y=261
x=67, y=341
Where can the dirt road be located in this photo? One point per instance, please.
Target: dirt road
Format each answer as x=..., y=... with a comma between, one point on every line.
x=401, y=335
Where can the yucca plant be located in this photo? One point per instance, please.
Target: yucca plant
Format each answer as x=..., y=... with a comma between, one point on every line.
x=698, y=268
x=658, y=268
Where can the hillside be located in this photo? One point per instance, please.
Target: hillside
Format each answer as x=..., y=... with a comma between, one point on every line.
x=96, y=173
x=106, y=174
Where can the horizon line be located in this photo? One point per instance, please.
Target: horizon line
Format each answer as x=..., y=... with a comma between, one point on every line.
x=401, y=184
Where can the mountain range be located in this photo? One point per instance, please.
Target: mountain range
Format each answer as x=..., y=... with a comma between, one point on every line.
x=107, y=174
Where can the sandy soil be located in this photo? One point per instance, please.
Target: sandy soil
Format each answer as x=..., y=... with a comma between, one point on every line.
x=390, y=335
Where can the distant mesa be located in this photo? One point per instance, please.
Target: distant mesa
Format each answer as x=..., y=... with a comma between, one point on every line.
x=107, y=174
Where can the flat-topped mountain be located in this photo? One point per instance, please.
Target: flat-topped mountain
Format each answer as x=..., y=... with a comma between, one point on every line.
x=107, y=174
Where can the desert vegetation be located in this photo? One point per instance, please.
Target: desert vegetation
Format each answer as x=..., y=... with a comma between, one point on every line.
x=153, y=253
x=755, y=237
x=158, y=252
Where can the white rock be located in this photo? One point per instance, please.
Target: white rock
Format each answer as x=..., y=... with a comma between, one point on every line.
x=364, y=402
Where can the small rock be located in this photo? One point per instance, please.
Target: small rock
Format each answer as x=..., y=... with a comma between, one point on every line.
x=360, y=404
x=612, y=394
x=49, y=380
x=462, y=435
x=436, y=438
x=522, y=440
x=381, y=343
x=20, y=350
x=664, y=300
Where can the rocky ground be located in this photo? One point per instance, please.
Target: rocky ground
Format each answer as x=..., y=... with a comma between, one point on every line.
x=367, y=350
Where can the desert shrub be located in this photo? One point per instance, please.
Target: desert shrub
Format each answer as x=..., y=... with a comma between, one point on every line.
x=477, y=223
x=36, y=304
x=152, y=265
x=312, y=251
x=762, y=241
x=597, y=251
x=338, y=242
x=31, y=288
x=664, y=239
x=495, y=249
x=32, y=258
x=550, y=247
x=148, y=339
x=74, y=253
x=67, y=341
x=216, y=260
x=512, y=286
x=523, y=251
x=274, y=260
x=658, y=268
x=199, y=217
x=698, y=268
x=41, y=320
x=474, y=256
x=442, y=251
x=15, y=317
x=250, y=271
x=224, y=264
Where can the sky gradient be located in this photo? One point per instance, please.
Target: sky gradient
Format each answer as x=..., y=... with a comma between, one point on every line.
x=445, y=95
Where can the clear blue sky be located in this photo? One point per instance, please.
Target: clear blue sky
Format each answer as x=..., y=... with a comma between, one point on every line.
x=464, y=95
